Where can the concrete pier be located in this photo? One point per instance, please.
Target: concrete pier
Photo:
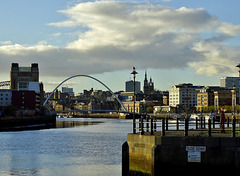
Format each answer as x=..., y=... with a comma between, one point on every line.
x=155, y=154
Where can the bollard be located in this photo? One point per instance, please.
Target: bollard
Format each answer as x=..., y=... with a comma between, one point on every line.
x=186, y=127
x=233, y=127
x=163, y=127
x=151, y=126
x=209, y=128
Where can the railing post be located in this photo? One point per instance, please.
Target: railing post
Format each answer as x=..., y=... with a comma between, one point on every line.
x=151, y=126
x=204, y=122
x=166, y=124
x=147, y=124
x=155, y=125
x=134, y=126
x=186, y=127
x=163, y=127
x=228, y=120
x=213, y=123
x=141, y=127
x=177, y=124
x=209, y=128
x=201, y=122
x=233, y=127
x=196, y=123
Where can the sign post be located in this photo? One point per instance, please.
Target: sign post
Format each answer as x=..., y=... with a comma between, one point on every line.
x=194, y=153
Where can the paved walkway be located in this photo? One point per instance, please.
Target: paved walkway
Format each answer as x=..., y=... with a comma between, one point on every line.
x=200, y=132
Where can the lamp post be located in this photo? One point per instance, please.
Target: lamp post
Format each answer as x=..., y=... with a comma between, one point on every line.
x=234, y=99
x=134, y=99
x=239, y=83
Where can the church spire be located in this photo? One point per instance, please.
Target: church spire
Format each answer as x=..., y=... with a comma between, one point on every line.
x=145, y=75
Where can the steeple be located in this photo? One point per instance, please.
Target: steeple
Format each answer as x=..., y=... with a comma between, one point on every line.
x=145, y=76
x=148, y=86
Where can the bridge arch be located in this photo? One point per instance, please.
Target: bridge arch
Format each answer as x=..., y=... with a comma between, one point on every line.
x=87, y=77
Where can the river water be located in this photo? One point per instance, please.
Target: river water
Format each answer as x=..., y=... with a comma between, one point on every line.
x=86, y=149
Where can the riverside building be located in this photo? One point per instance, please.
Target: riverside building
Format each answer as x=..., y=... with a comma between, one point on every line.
x=183, y=94
x=24, y=78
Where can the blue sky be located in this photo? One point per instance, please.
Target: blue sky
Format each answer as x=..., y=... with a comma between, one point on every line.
x=175, y=41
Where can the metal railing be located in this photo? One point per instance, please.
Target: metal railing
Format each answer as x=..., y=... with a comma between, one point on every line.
x=153, y=126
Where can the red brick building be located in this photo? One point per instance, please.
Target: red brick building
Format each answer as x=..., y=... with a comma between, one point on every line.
x=26, y=99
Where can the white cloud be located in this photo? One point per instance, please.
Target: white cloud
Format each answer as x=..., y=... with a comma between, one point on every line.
x=218, y=58
x=5, y=42
x=122, y=34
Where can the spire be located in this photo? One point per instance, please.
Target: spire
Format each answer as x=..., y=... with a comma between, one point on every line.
x=145, y=75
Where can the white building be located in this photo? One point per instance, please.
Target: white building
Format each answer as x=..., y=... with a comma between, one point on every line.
x=183, y=94
x=5, y=97
x=228, y=82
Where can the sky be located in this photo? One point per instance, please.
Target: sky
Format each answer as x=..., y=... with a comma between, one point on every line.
x=174, y=41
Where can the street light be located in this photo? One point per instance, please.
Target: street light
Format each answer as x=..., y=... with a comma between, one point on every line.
x=239, y=82
x=134, y=99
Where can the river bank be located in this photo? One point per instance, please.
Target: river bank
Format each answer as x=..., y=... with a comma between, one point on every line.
x=9, y=123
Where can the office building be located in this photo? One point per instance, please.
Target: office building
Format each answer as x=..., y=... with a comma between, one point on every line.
x=68, y=91
x=229, y=82
x=129, y=86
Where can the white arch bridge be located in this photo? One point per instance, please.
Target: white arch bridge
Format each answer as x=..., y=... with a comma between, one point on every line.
x=125, y=110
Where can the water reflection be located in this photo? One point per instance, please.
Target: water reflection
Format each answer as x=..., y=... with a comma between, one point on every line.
x=73, y=124
x=65, y=123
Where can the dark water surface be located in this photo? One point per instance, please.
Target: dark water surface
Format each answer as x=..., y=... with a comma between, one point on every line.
x=89, y=148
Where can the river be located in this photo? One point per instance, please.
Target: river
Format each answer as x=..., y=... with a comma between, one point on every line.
x=88, y=149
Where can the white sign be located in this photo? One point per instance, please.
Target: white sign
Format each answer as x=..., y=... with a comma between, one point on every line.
x=196, y=148
x=194, y=157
